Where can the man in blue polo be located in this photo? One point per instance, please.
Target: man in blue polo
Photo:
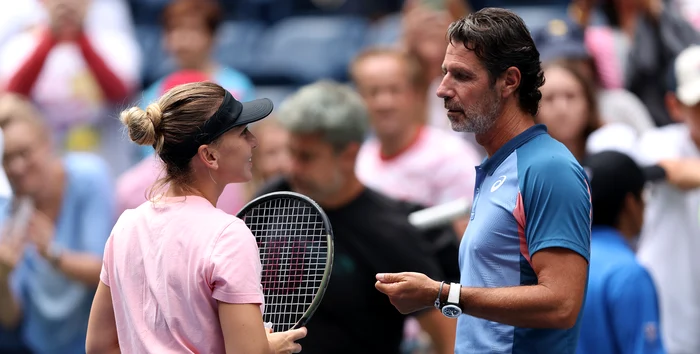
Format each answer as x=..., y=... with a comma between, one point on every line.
x=524, y=256
x=621, y=314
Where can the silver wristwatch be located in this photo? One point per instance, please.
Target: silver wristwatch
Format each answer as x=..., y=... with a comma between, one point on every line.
x=451, y=308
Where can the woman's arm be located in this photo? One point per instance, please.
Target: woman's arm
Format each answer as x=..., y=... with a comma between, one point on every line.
x=243, y=329
x=102, y=327
x=244, y=332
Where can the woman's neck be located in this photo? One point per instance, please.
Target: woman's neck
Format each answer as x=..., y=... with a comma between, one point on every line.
x=206, y=187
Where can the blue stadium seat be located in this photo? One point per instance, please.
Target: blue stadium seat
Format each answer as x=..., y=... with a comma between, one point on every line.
x=539, y=15
x=147, y=12
x=275, y=93
x=536, y=16
x=156, y=62
x=384, y=32
x=300, y=50
x=236, y=43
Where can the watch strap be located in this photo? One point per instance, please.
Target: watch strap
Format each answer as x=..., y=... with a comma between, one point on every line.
x=453, y=295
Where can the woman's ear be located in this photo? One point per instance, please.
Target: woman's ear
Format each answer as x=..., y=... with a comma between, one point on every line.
x=209, y=156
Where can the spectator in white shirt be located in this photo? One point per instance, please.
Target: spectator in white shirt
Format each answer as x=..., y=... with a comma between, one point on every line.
x=670, y=240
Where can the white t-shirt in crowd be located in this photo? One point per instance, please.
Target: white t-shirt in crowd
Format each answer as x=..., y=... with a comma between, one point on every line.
x=66, y=91
x=622, y=106
x=670, y=242
x=437, y=168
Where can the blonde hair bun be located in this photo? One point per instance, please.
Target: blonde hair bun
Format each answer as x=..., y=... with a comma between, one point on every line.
x=143, y=125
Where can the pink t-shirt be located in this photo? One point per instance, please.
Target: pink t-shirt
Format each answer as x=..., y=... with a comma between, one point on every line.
x=133, y=186
x=167, y=264
x=437, y=168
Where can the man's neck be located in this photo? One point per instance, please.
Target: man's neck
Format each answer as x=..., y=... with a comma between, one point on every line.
x=392, y=146
x=349, y=192
x=510, y=124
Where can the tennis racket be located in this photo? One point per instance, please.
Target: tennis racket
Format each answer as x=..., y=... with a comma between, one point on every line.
x=295, y=240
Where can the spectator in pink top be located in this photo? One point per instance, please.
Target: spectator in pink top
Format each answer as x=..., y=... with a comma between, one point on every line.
x=178, y=274
x=133, y=185
x=407, y=159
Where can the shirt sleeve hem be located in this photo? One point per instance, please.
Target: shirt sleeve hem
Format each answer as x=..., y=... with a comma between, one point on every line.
x=561, y=243
x=104, y=280
x=245, y=298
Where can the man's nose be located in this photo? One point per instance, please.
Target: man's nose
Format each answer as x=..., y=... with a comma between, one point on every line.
x=444, y=90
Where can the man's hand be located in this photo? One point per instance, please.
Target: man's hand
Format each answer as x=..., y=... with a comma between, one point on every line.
x=408, y=292
x=683, y=173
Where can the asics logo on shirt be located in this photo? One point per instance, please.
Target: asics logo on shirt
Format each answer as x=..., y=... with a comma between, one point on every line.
x=498, y=183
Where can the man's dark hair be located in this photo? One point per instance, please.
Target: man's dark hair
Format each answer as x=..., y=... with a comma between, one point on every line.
x=500, y=39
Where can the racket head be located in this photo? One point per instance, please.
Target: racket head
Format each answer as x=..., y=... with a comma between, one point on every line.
x=274, y=220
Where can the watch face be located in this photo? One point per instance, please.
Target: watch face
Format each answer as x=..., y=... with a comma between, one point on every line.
x=451, y=311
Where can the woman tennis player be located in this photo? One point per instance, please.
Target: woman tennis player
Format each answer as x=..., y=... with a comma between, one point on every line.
x=179, y=275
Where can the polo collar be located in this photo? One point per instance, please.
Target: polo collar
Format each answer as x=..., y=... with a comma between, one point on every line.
x=491, y=163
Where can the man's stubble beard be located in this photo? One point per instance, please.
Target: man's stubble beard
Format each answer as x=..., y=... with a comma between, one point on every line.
x=480, y=118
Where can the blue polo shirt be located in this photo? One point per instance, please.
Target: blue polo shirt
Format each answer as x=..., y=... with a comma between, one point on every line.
x=56, y=308
x=621, y=314
x=530, y=195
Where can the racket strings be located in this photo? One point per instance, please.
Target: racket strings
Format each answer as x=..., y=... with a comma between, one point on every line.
x=293, y=249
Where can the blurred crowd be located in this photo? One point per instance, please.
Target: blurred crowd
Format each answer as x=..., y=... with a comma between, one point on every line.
x=621, y=75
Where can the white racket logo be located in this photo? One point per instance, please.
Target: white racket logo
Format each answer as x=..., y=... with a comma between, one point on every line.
x=498, y=183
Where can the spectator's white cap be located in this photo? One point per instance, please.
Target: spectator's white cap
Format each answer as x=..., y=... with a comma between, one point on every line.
x=688, y=76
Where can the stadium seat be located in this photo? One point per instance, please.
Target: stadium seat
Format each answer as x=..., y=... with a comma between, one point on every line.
x=300, y=50
x=147, y=12
x=385, y=32
x=539, y=15
x=275, y=93
x=156, y=62
x=236, y=43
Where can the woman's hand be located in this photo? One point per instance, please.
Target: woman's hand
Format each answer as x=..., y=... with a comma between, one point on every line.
x=284, y=342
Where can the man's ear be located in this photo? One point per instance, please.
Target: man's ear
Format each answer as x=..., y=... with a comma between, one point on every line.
x=511, y=81
x=208, y=156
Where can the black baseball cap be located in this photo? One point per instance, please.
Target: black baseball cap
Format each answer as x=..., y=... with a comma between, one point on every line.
x=613, y=175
